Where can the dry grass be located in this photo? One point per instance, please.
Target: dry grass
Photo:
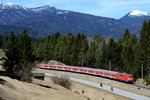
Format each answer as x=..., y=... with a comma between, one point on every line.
x=12, y=89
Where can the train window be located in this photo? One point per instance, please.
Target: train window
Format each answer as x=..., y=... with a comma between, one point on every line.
x=90, y=71
x=129, y=76
x=113, y=75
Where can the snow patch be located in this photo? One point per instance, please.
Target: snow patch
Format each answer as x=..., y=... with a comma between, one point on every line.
x=10, y=6
x=38, y=9
x=44, y=8
x=138, y=13
x=62, y=11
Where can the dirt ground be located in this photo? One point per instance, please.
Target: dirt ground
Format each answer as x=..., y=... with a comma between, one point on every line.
x=105, y=81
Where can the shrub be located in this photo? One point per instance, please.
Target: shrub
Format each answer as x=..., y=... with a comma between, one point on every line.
x=63, y=81
x=147, y=80
x=22, y=72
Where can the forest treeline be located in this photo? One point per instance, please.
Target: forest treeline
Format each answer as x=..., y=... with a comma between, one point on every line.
x=129, y=54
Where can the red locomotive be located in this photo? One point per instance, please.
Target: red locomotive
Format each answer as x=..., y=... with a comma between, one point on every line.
x=100, y=72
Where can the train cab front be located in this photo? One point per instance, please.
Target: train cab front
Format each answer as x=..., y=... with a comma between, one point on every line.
x=130, y=78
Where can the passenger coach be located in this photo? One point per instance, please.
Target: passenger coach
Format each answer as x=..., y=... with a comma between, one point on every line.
x=99, y=72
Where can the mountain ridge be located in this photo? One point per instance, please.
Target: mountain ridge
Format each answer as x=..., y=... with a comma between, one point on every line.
x=47, y=20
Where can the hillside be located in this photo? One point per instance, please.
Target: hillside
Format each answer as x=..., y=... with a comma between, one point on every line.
x=11, y=89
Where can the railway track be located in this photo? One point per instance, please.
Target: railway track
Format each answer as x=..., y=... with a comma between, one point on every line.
x=141, y=86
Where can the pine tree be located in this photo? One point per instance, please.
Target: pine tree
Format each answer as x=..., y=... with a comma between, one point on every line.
x=94, y=53
x=126, y=37
x=52, y=44
x=12, y=55
x=91, y=54
x=83, y=47
x=25, y=46
x=69, y=40
x=25, y=56
x=98, y=57
x=44, y=49
x=129, y=43
x=104, y=58
x=75, y=49
x=111, y=46
x=133, y=43
x=117, y=57
x=98, y=52
x=143, y=51
x=60, y=50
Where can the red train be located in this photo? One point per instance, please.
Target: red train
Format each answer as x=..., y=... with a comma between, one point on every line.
x=105, y=73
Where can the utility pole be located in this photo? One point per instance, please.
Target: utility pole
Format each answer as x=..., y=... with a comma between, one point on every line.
x=82, y=62
x=142, y=71
x=110, y=65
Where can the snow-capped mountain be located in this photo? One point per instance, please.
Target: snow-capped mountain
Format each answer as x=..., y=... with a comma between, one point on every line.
x=134, y=20
x=42, y=21
x=138, y=13
x=10, y=6
x=135, y=16
x=43, y=8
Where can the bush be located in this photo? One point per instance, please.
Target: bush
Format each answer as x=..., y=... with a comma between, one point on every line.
x=63, y=81
x=22, y=72
x=147, y=80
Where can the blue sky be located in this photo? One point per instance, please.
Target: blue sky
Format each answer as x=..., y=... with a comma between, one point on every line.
x=106, y=8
